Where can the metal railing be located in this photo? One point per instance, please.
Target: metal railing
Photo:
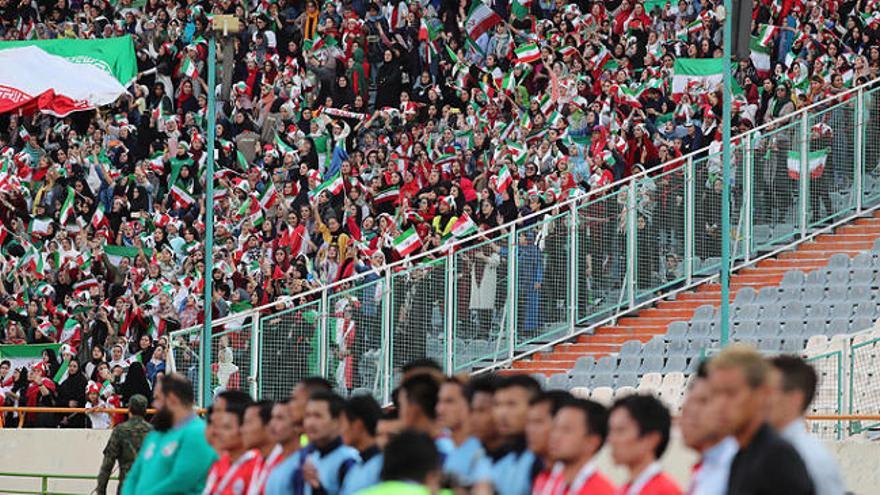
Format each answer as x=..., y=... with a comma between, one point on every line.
x=47, y=483
x=522, y=287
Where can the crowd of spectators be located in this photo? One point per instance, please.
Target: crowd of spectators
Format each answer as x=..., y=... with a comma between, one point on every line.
x=352, y=127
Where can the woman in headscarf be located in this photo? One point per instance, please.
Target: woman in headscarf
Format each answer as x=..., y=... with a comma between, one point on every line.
x=136, y=383
x=357, y=73
x=72, y=393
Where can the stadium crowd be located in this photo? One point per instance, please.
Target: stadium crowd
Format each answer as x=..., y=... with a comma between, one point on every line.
x=361, y=133
x=743, y=414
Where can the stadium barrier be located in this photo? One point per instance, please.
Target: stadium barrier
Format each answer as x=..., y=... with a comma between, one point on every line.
x=517, y=289
x=48, y=482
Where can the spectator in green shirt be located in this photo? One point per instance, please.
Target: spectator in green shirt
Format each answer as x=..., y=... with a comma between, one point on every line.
x=174, y=458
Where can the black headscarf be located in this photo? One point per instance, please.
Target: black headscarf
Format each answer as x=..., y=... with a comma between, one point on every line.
x=136, y=383
x=73, y=388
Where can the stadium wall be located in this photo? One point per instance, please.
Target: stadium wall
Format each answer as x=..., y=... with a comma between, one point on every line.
x=79, y=452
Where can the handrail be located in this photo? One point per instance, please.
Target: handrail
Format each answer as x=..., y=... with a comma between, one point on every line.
x=448, y=249
x=24, y=410
x=44, y=479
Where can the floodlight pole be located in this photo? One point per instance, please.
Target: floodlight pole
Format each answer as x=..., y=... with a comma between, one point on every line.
x=725, y=190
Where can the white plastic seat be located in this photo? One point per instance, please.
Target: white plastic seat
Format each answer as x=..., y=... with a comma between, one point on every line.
x=650, y=381
x=580, y=392
x=624, y=392
x=602, y=395
x=673, y=380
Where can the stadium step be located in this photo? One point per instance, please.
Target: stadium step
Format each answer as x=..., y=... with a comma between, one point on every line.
x=850, y=239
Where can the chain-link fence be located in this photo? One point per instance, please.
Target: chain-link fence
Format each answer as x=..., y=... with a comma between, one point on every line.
x=775, y=184
x=507, y=291
x=831, y=163
x=829, y=394
x=480, y=304
x=185, y=351
x=542, y=280
x=864, y=394
x=601, y=256
x=290, y=348
x=418, y=315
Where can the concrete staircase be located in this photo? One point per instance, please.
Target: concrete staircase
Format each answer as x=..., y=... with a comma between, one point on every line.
x=642, y=325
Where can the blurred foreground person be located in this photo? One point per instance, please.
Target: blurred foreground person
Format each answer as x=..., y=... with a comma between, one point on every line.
x=792, y=388
x=765, y=464
x=638, y=433
x=578, y=433
x=701, y=430
x=175, y=457
x=411, y=466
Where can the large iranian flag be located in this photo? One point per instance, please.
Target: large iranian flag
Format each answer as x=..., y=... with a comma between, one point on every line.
x=61, y=76
x=480, y=19
x=706, y=73
x=26, y=356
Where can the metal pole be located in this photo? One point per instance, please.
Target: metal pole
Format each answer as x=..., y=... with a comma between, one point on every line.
x=449, y=314
x=573, y=254
x=804, y=182
x=205, y=348
x=387, y=344
x=725, y=190
x=689, y=222
x=256, y=353
x=512, y=303
x=631, y=243
x=858, y=185
x=747, y=213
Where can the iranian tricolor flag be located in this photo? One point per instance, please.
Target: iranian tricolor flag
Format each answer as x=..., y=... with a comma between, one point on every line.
x=187, y=68
x=67, y=207
x=480, y=19
x=333, y=185
x=760, y=57
x=464, y=226
x=181, y=197
x=504, y=179
x=816, y=163
x=61, y=76
x=99, y=219
x=766, y=33
x=705, y=73
x=114, y=254
x=26, y=356
x=527, y=53
x=407, y=242
x=269, y=196
x=520, y=8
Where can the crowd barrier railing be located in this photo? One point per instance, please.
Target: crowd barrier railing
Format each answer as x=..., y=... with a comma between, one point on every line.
x=521, y=287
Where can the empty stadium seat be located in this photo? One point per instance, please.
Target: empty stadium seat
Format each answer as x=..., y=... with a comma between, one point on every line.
x=559, y=381
x=677, y=330
x=580, y=392
x=624, y=391
x=650, y=381
x=793, y=278
x=651, y=363
x=602, y=395
x=627, y=380
x=631, y=348
x=673, y=379
x=745, y=296
x=585, y=363
x=704, y=313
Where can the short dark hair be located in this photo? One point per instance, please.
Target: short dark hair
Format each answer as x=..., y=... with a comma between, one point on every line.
x=235, y=398
x=486, y=384
x=554, y=398
x=797, y=375
x=389, y=415
x=179, y=386
x=6, y=362
x=521, y=381
x=366, y=409
x=421, y=363
x=316, y=384
x=651, y=416
x=335, y=403
x=595, y=414
x=422, y=391
x=265, y=410
x=237, y=409
x=410, y=456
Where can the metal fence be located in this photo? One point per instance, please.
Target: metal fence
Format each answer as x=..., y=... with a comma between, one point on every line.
x=864, y=395
x=520, y=287
x=829, y=394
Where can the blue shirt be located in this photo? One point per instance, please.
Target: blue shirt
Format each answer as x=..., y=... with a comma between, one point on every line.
x=514, y=473
x=365, y=473
x=280, y=480
x=332, y=463
x=468, y=463
x=711, y=478
x=820, y=464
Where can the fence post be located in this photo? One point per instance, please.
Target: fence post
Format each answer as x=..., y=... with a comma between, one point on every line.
x=572, y=267
x=512, y=302
x=44, y=485
x=449, y=338
x=747, y=197
x=322, y=334
x=386, y=346
x=256, y=353
x=631, y=247
x=804, y=184
x=858, y=184
x=689, y=192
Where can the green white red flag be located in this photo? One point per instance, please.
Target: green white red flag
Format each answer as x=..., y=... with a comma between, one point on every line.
x=407, y=242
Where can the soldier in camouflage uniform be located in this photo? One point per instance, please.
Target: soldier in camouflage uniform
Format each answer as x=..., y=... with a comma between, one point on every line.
x=124, y=443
